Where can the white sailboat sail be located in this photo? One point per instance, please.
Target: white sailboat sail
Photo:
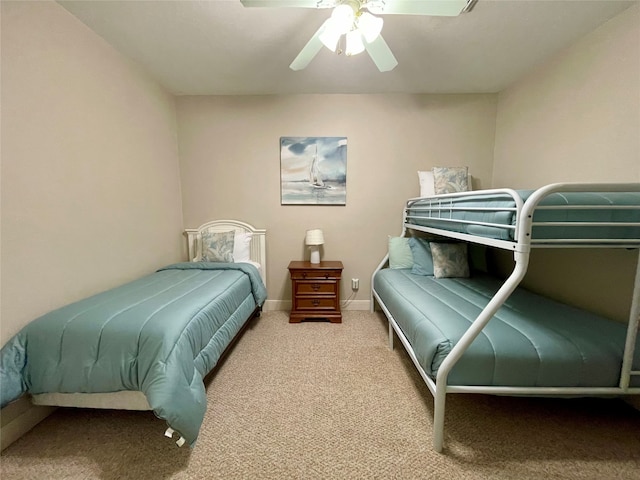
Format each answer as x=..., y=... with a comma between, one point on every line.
x=314, y=174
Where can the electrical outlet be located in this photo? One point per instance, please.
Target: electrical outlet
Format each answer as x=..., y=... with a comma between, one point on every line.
x=355, y=284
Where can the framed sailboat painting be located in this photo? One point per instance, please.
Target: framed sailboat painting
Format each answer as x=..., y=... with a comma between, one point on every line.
x=313, y=170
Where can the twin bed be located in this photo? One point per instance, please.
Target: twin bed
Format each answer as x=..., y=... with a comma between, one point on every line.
x=469, y=332
x=146, y=345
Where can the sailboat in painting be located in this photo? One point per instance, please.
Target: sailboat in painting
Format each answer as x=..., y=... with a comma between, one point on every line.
x=315, y=179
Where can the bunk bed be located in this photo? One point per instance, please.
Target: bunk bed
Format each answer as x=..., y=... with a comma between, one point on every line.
x=147, y=344
x=473, y=333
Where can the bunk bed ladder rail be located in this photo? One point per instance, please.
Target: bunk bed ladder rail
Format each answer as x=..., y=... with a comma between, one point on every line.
x=519, y=271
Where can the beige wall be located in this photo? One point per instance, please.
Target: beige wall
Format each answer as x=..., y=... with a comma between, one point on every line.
x=577, y=118
x=230, y=166
x=90, y=180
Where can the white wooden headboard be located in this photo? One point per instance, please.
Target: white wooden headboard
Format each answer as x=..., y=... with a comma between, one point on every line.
x=258, y=251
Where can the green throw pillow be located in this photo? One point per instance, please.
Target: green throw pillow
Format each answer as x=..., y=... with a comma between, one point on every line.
x=400, y=253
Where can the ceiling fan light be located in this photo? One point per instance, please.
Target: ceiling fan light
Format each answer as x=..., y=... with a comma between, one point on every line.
x=330, y=36
x=354, y=43
x=342, y=17
x=370, y=26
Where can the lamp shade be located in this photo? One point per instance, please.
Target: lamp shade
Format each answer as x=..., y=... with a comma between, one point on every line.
x=341, y=21
x=330, y=37
x=370, y=26
x=342, y=18
x=314, y=237
x=354, y=43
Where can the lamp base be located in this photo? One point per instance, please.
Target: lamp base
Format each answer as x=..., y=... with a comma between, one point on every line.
x=315, y=254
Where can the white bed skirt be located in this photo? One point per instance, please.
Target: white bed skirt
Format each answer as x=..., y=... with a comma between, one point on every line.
x=124, y=400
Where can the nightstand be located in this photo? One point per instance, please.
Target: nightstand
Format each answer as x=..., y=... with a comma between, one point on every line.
x=315, y=291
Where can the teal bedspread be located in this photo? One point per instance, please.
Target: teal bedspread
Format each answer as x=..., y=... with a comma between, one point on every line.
x=532, y=341
x=160, y=335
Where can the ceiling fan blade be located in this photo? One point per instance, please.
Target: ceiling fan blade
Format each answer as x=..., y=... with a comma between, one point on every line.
x=446, y=8
x=309, y=51
x=381, y=54
x=290, y=3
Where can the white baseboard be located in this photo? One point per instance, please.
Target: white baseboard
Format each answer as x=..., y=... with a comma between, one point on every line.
x=18, y=418
x=356, y=305
x=285, y=305
x=276, y=305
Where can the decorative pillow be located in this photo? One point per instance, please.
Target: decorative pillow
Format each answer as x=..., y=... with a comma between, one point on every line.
x=217, y=246
x=241, y=246
x=421, y=252
x=400, y=253
x=450, y=260
x=451, y=179
x=427, y=185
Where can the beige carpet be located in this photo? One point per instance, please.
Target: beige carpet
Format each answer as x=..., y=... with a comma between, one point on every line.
x=319, y=401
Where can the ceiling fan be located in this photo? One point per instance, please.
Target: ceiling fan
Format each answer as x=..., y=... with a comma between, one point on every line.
x=355, y=20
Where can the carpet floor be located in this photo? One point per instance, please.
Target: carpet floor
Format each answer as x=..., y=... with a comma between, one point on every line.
x=331, y=401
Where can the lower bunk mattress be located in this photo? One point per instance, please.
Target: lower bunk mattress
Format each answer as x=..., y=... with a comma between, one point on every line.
x=532, y=341
x=159, y=335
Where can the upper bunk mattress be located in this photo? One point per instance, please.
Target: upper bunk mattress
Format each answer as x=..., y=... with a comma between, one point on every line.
x=160, y=334
x=494, y=215
x=531, y=341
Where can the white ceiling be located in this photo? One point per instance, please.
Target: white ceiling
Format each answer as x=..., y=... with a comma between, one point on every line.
x=219, y=47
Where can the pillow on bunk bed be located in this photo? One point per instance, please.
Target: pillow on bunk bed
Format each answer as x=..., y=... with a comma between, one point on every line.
x=450, y=179
x=421, y=253
x=217, y=246
x=428, y=183
x=450, y=260
x=400, y=253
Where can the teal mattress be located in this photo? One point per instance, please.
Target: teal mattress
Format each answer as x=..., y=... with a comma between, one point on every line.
x=531, y=341
x=491, y=211
x=160, y=335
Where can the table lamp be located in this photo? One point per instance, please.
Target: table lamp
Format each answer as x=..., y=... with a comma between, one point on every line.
x=314, y=239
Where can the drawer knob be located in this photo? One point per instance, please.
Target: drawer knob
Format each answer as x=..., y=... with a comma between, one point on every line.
x=316, y=302
x=315, y=287
x=304, y=274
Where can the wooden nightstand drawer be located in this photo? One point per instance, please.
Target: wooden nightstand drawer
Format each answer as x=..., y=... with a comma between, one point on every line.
x=316, y=304
x=315, y=291
x=319, y=274
x=302, y=287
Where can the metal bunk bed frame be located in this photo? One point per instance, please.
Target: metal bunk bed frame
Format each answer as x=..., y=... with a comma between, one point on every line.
x=442, y=205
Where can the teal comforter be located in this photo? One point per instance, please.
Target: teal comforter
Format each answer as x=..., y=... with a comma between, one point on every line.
x=160, y=335
x=531, y=341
